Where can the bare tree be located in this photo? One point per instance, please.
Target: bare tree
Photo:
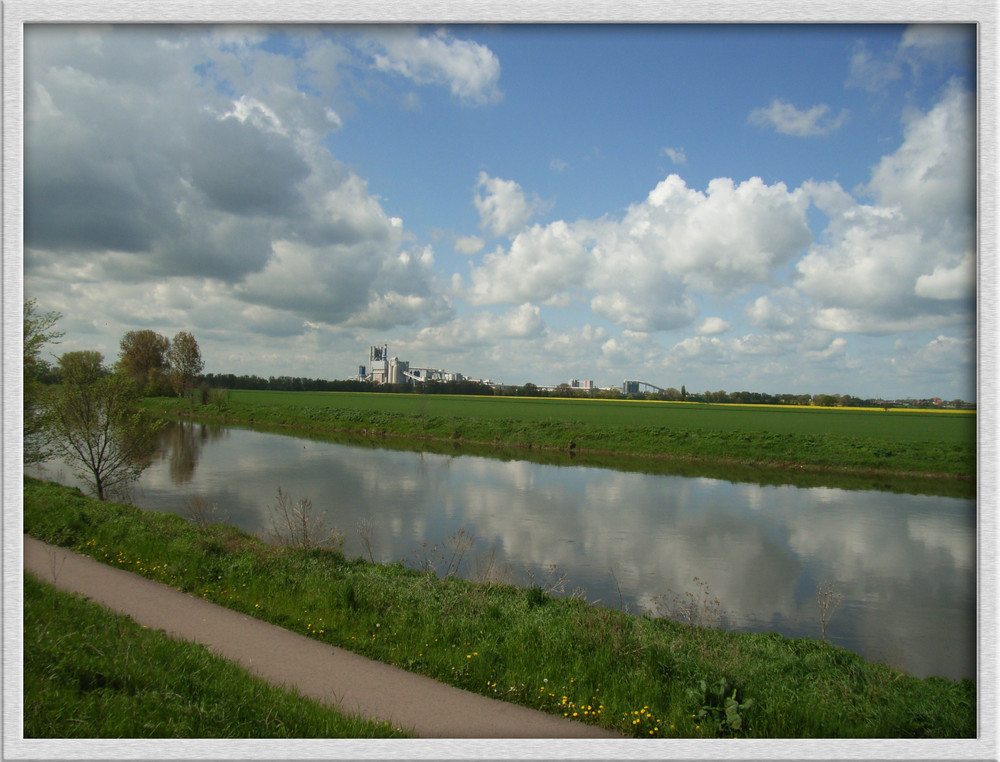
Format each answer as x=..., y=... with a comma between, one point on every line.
x=829, y=600
x=297, y=524
x=366, y=531
x=97, y=426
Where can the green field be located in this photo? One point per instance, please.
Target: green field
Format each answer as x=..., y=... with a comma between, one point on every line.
x=894, y=425
x=915, y=444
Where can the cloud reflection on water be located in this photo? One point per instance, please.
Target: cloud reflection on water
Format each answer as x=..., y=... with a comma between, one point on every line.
x=904, y=563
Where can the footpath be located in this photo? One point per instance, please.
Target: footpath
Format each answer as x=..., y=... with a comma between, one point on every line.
x=351, y=683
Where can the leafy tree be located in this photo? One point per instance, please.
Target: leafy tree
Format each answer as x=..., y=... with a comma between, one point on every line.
x=143, y=358
x=97, y=426
x=81, y=367
x=37, y=333
x=184, y=359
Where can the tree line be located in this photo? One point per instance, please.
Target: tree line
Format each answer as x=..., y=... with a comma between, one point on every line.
x=300, y=384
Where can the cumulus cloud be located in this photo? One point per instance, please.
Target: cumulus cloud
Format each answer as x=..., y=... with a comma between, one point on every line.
x=470, y=70
x=836, y=347
x=521, y=322
x=770, y=312
x=637, y=271
x=483, y=342
x=713, y=326
x=931, y=177
x=270, y=168
x=573, y=345
x=503, y=206
x=480, y=329
x=469, y=245
x=943, y=362
x=325, y=284
x=788, y=120
x=390, y=309
x=949, y=282
x=943, y=354
x=207, y=162
x=907, y=256
x=633, y=349
x=404, y=292
x=876, y=248
x=542, y=263
x=773, y=358
x=704, y=348
x=729, y=236
x=647, y=309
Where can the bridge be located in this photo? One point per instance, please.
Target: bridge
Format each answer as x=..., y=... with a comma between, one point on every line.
x=634, y=387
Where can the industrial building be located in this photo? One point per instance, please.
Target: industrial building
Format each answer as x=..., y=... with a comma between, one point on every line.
x=382, y=369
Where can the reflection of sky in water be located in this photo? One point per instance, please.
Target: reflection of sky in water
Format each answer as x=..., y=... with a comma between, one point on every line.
x=905, y=564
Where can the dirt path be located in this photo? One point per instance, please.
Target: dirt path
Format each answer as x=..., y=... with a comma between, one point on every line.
x=352, y=683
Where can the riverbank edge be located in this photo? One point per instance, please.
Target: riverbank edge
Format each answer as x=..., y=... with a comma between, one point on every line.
x=789, y=677
x=184, y=412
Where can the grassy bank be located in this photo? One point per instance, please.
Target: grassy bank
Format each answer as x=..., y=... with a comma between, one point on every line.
x=643, y=676
x=89, y=673
x=843, y=440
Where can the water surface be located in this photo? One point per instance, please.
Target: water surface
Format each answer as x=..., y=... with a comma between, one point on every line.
x=904, y=564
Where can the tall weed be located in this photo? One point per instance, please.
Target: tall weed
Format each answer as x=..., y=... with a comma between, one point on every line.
x=298, y=525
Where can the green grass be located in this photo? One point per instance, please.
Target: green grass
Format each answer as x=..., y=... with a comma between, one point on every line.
x=634, y=674
x=846, y=440
x=89, y=673
x=895, y=425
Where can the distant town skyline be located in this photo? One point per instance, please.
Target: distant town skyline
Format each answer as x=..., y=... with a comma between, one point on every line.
x=770, y=208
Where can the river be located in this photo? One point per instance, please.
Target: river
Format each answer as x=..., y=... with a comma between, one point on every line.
x=905, y=565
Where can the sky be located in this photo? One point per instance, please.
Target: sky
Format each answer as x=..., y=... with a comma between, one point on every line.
x=781, y=209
